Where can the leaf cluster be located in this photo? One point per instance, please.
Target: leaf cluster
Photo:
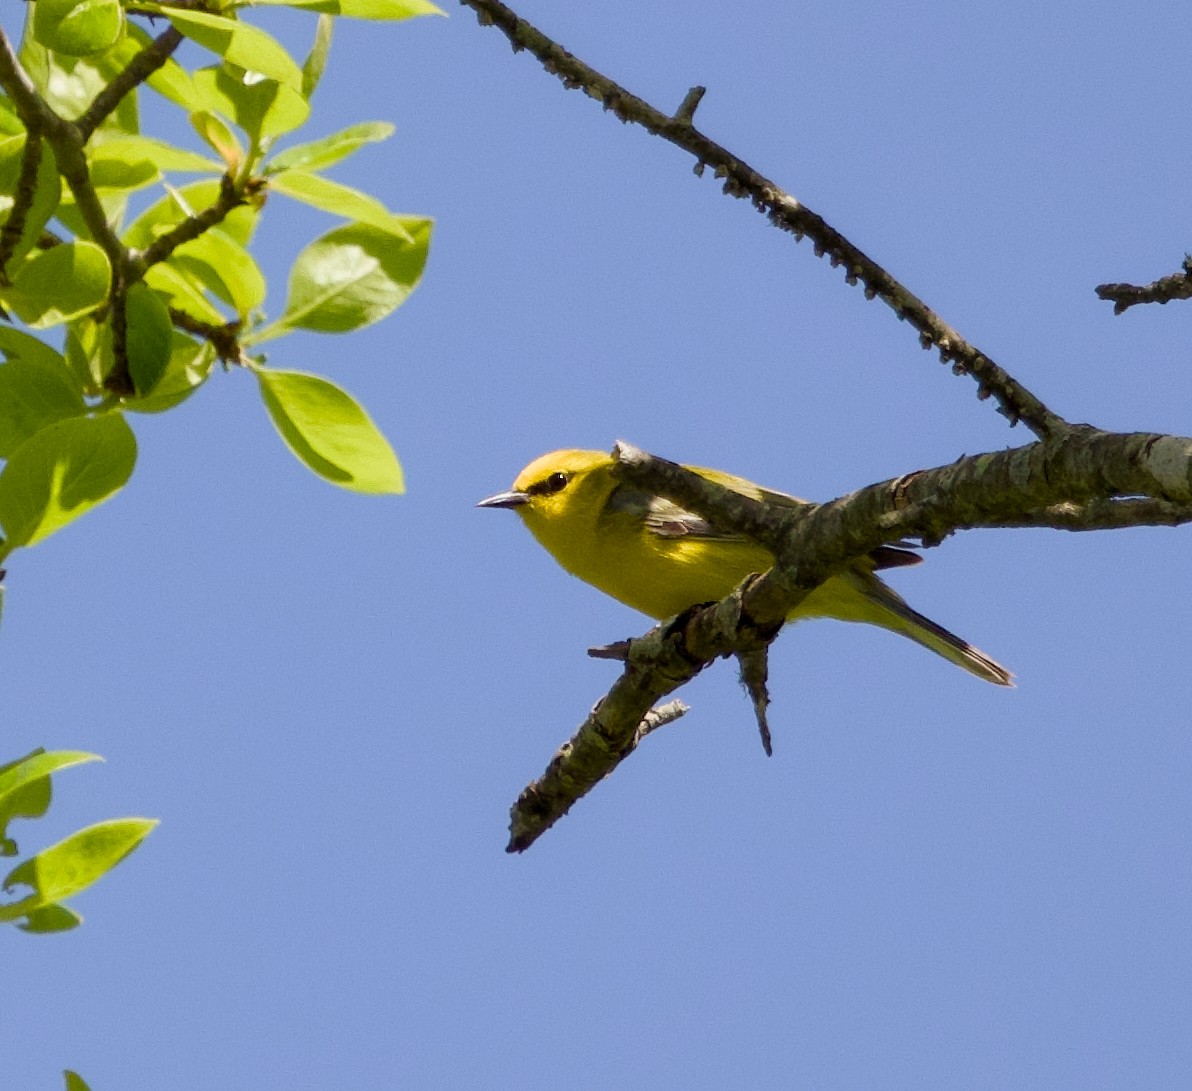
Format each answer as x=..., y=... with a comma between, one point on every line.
x=116, y=303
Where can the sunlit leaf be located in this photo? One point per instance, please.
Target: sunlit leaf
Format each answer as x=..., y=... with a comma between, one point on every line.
x=360, y=9
x=263, y=108
x=341, y=200
x=183, y=292
x=188, y=368
x=25, y=787
x=316, y=59
x=223, y=267
x=78, y=28
x=329, y=431
x=320, y=154
x=351, y=277
x=163, y=156
x=89, y=353
x=241, y=44
x=62, y=471
x=33, y=394
x=60, y=283
x=77, y=861
x=215, y=132
x=70, y=84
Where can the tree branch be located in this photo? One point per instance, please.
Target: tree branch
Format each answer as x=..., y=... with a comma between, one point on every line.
x=139, y=69
x=1163, y=290
x=230, y=197
x=1014, y=400
x=1068, y=483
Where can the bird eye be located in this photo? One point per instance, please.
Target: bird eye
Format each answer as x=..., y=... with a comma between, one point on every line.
x=555, y=482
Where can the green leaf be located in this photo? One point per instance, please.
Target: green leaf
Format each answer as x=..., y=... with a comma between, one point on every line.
x=34, y=394
x=75, y=1082
x=60, y=283
x=329, y=431
x=215, y=132
x=320, y=154
x=188, y=368
x=148, y=337
x=183, y=292
x=69, y=84
x=89, y=353
x=78, y=28
x=16, y=345
x=17, y=775
x=51, y=918
x=241, y=44
x=224, y=267
x=47, y=191
x=25, y=787
x=117, y=176
x=163, y=156
x=61, y=472
x=360, y=9
x=11, y=124
x=351, y=277
x=316, y=59
x=263, y=108
x=314, y=189
x=76, y=862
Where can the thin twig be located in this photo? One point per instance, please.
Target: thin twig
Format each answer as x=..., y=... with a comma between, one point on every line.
x=1014, y=400
x=223, y=338
x=139, y=69
x=192, y=227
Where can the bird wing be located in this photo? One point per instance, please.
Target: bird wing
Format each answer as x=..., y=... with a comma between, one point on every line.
x=666, y=519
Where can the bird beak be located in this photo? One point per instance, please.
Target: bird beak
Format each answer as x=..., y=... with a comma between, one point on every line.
x=505, y=500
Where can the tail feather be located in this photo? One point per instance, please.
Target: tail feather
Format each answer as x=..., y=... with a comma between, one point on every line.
x=910, y=623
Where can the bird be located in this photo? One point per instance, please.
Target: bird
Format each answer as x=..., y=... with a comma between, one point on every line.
x=656, y=557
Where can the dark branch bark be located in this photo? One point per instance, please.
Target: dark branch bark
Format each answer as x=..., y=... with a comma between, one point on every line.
x=1163, y=290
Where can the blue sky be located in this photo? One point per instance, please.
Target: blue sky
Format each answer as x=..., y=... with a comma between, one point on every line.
x=331, y=700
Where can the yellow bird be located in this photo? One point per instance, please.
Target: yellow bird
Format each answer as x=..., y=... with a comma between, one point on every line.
x=653, y=555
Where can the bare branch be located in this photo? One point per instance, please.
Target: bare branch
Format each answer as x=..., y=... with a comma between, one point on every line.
x=1014, y=400
x=1163, y=290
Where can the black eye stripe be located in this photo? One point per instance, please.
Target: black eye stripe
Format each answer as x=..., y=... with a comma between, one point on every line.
x=556, y=482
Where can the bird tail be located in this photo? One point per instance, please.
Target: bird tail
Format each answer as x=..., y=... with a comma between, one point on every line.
x=898, y=617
